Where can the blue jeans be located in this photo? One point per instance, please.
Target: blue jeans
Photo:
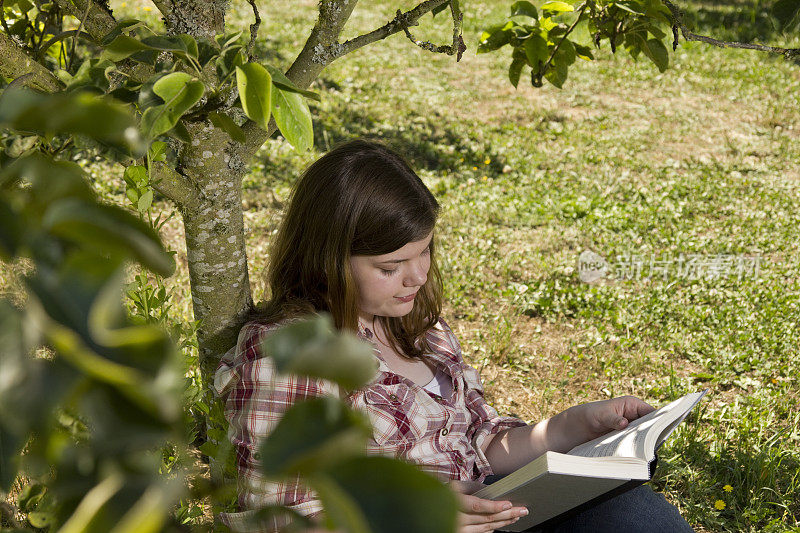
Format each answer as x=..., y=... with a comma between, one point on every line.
x=637, y=510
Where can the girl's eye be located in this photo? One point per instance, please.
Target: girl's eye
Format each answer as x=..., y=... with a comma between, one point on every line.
x=388, y=272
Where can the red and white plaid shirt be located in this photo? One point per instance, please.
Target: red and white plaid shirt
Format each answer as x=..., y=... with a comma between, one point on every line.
x=443, y=436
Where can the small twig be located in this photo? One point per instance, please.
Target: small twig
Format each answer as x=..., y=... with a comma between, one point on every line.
x=393, y=26
x=540, y=74
x=677, y=17
x=458, y=45
x=253, y=29
x=75, y=39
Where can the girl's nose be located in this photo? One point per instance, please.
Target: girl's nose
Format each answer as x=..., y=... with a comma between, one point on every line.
x=417, y=277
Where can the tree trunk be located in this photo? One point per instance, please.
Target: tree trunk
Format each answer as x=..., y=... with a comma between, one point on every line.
x=215, y=242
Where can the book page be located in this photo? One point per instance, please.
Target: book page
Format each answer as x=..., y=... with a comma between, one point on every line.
x=631, y=441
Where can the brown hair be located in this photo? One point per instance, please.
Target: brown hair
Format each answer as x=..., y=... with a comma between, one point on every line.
x=361, y=198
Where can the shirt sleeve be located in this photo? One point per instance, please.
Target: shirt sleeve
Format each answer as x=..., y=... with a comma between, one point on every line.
x=485, y=420
x=256, y=397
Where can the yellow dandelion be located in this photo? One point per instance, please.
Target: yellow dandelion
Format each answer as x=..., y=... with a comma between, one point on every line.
x=719, y=505
x=774, y=381
x=484, y=178
x=487, y=161
x=124, y=4
x=148, y=8
x=727, y=488
x=462, y=159
x=474, y=168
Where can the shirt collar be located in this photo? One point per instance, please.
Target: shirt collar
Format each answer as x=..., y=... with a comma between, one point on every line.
x=441, y=355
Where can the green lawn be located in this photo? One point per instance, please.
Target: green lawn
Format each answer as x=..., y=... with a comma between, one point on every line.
x=702, y=159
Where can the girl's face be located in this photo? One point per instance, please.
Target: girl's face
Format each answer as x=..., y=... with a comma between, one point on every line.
x=382, y=280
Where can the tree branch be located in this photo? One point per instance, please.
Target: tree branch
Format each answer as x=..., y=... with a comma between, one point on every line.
x=458, y=45
x=253, y=29
x=16, y=64
x=98, y=21
x=198, y=18
x=400, y=22
x=322, y=47
x=677, y=16
x=177, y=187
x=536, y=81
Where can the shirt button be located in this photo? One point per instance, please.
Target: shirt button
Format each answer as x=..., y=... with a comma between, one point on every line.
x=393, y=397
x=444, y=432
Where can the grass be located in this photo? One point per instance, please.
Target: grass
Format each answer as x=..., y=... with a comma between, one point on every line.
x=702, y=159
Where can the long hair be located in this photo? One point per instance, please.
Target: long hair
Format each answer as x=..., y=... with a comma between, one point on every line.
x=361, y=198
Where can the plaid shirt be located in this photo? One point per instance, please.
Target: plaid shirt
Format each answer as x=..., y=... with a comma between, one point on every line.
x=443, y=436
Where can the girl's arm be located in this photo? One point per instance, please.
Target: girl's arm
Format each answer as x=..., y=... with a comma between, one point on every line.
x=512, y=448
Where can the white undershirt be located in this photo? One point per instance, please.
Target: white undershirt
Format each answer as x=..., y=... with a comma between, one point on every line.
x=440, y=384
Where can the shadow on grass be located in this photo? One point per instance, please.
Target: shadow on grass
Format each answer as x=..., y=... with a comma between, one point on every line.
x=733, y=20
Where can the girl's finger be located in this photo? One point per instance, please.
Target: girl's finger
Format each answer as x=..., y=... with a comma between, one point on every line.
x=473, y=504
x=487, y=527
x=514, y=512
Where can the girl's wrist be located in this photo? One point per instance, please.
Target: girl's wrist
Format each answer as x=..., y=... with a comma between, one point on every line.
x=567, y=429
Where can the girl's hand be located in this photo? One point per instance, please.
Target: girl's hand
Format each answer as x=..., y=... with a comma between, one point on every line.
x=598, y=418
x=478, y=515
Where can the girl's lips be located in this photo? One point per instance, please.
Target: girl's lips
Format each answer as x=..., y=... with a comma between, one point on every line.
x=407, y=298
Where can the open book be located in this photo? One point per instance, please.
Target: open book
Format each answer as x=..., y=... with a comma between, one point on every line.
x=556, y=485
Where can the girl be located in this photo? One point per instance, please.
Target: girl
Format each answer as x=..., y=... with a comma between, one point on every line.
x=358, y=241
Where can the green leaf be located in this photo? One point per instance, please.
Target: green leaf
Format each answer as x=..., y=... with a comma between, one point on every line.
x=657, y=53
x=145, y=200
x=189, y=44
x=536, y=50
x=393, y=496
x=226, y=124
x=557, y=73
x=556, y=6
x=110, y=229
x=123, y=47
x=583, y=52
x=82, y=114
x=41, y=519
x=631, y=6
x=158, y=151
x=123, y=25
x=495, y=37
x=135, y=176
x=566, y=52
x=342, y=509
x=313, y=348
x=515, y=70
x=280, y=80
x=255, y=88
x=313, y=434
x=30, y=496
x=180, y=92
x=293, y=118
x=180, y=132
x=524, y=8
x=656, y=31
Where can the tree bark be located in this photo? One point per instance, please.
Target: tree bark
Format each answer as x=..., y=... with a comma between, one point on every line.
x=215, y=241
